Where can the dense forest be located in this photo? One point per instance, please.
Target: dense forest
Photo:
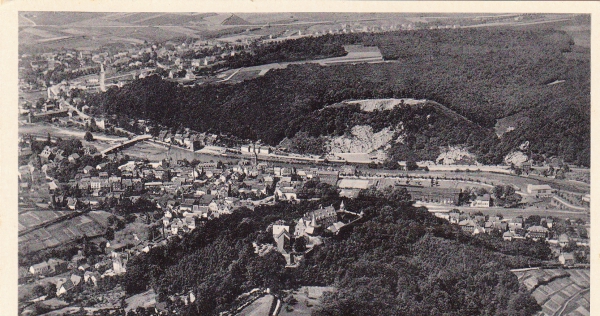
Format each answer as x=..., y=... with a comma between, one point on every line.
x=481, y=74
x=401, y=260
x=286, y=51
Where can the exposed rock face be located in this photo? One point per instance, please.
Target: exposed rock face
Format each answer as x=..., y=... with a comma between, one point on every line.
x=456, y=156
x=361, y=140
x=383, y=104
x=516, y=157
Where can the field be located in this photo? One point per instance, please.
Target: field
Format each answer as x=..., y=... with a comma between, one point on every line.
x=92, y=224
x=41, y=130
x=559, y=292
x=34, y=218
x=108, y=28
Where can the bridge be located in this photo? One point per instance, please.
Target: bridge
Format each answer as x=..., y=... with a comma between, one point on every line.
x=125, y=144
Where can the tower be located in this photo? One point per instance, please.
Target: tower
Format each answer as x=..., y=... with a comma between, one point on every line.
x=102, y=77
x=254, y=159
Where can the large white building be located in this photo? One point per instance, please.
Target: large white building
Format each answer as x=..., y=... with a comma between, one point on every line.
x=540, y=191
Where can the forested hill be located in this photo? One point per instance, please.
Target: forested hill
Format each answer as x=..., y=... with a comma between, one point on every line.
x=401, y=260
x=482, y=74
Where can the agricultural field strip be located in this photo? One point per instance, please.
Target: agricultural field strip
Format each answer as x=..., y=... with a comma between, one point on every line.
x=560, y=292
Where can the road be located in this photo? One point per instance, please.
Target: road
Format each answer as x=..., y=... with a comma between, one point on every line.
x=566, y=303
x=125, y=144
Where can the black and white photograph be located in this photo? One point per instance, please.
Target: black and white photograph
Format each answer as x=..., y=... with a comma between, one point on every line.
x=303, y=163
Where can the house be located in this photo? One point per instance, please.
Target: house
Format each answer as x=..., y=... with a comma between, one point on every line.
x=549, y=222
x=58, y=266
x=72, y=203
x=508, y=236
x=566, y=259
x=190, y=222
x=277, y=229
x=87, y=169
x=286, y=193
x=40, y=268
x=516, y=223
x=73, y=157
x=175, y=226
x=479, y=219
x=46, y=154
x=540, y=191
x=64, y=287
x=467, y=225
x=59, y=155
x=536, y=232
x=324, y=216
x=303, y=227
x=563, y=240
x=92, y=277
x=283, y=241
x=454, y=217
x=75, y=279
x=312, y=222
x=482, y=201
x=84, y=267
x=119, y=265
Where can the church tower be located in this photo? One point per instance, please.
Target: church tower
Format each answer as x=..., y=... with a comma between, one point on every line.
x=102, y=78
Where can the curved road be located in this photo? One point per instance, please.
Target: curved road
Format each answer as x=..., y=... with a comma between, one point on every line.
x=566, y=303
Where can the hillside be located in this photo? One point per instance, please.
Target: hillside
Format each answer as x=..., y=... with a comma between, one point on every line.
x=481, y=80
x=402, y=129
x=401, y=261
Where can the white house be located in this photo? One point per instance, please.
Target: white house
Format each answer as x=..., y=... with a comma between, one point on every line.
x=540, y=191
x=482, y=201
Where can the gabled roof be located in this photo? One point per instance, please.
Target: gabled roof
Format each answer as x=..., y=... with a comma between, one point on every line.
x=67, y=285
x=539, y=229
x=41, y=265
x=282, y=234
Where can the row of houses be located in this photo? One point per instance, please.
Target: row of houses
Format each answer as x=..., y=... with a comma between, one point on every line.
x=511, y=229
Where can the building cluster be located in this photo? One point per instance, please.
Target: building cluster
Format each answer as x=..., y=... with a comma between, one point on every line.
x=300, y=238
x=509, y=228
x=518, y=228
x=81, y=269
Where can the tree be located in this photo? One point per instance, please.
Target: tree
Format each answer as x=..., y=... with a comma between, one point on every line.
x=38, y=291
x=411, y=165
x=110, y=233
x=88, y=136
x=482, y=191
x=50, y=290
x=300, y=244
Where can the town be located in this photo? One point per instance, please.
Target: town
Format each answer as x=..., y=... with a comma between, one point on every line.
x=107, y=208
x=107, y=199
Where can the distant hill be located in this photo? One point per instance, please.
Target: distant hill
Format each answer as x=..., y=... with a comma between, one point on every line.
x=471, y=75
x=234, y=20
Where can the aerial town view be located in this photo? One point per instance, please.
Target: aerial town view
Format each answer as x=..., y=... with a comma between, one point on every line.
x=304, y=164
